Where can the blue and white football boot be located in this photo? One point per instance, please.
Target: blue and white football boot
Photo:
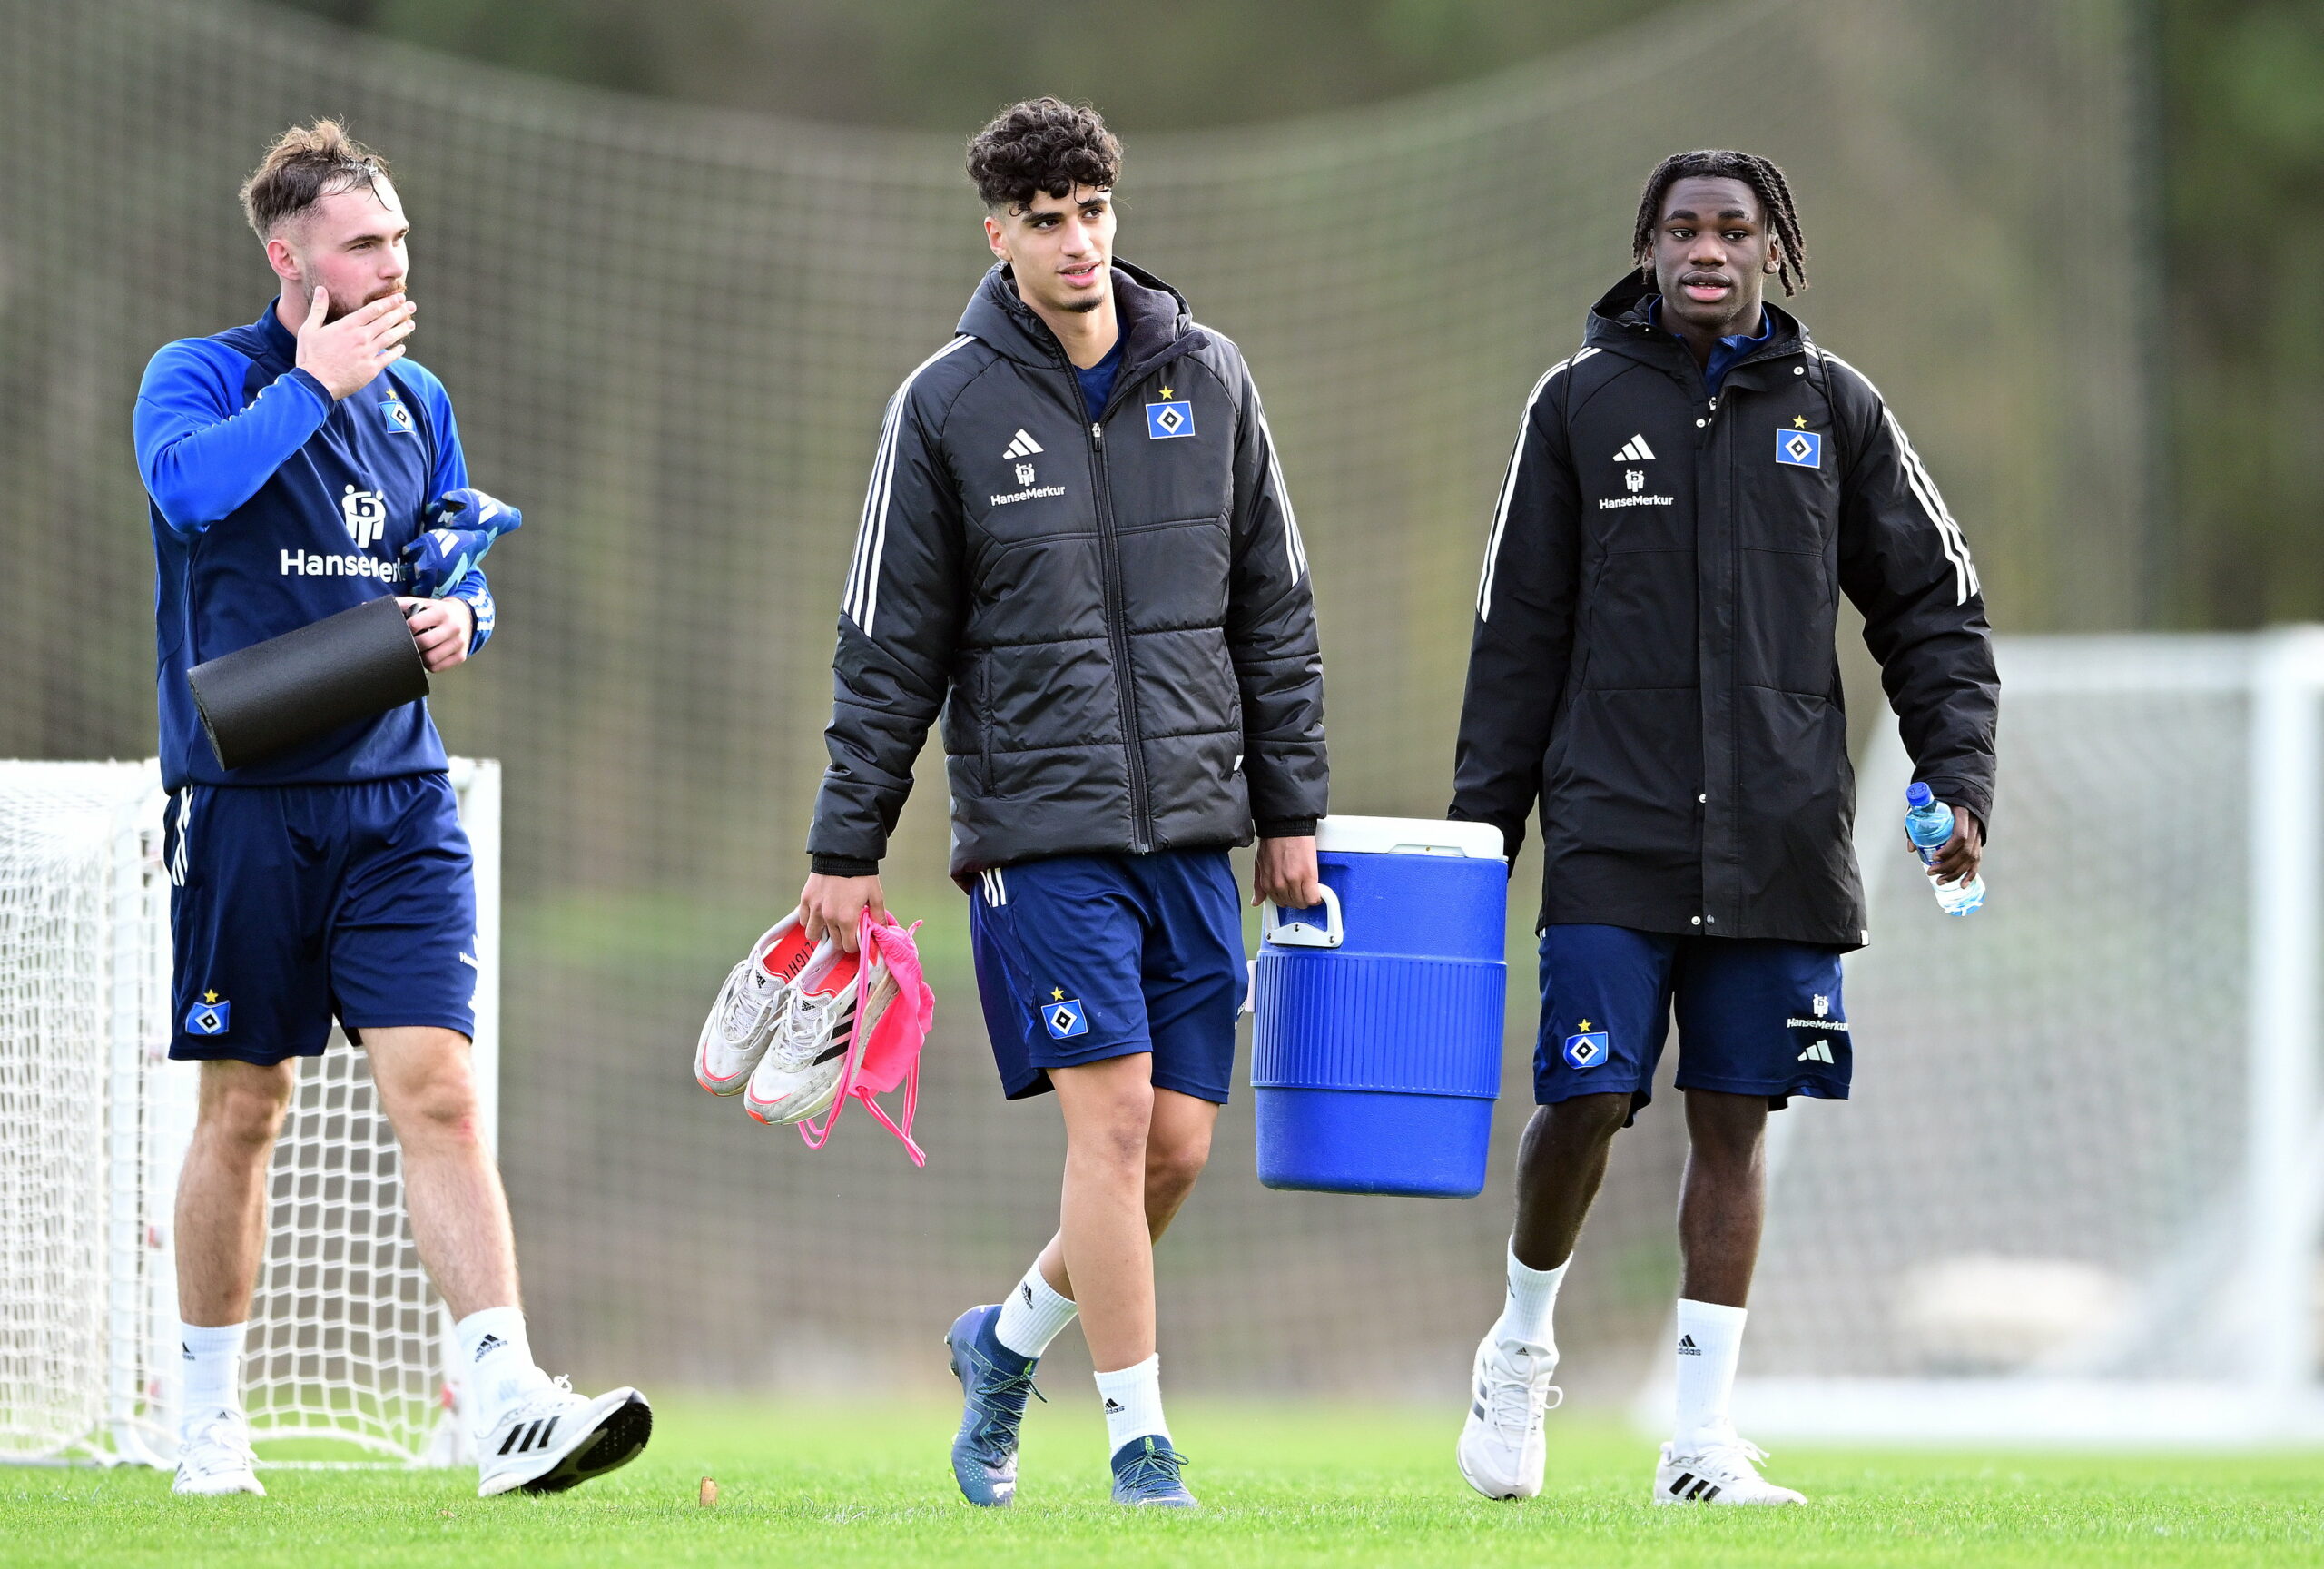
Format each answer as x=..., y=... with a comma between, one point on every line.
x=1146, y=1473
x=994, y=1384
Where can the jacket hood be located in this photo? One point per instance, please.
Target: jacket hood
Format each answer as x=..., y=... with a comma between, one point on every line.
x=1155, y=323
x=1620, y=321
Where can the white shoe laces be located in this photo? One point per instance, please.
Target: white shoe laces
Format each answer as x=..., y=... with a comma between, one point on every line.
x=801, y=1033
x=221, y=1443
x=1730, y=1458
x=554, y=1396
x=1511, y=1404
x=747, y=1002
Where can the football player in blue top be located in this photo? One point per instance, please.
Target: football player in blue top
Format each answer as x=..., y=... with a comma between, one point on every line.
x=289, y=463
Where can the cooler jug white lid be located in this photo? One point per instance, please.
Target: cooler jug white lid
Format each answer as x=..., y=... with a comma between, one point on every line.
x=1409, y=837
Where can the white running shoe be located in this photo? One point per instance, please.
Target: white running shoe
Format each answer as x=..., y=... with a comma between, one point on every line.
x=1501, y=1450
x=743, y=1021
x=1724, y=1470
x=554, y=1439
x=821, y=1032
x=214, y=1457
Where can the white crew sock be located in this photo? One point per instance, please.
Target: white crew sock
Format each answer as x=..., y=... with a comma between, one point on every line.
x=211, y=1371
x=1033, y=1315
x=497, y=1364
x=1710, y=1341
x=1133, y=1401
x=1532, y=1300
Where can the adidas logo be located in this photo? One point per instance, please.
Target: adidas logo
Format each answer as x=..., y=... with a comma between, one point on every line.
x=524, y=1440
x=1634, y=451
x=487, y=1346
x=1112, y=1404
x=1686, y=1347
x=1024, y=446
x=1028, y=1291
x=1818, y=1051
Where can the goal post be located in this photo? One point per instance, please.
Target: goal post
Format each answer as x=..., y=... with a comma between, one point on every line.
x=2076, y=1197
x=348, y=1342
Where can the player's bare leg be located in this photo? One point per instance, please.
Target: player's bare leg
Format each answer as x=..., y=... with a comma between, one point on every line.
x=1561, y=1162
x=1722, y=1210
x=459, y=1212
x=1133, y=1154
x=1108, y=1250
x=531, y=1434
x=1723, y=1205
x=221, y=1190
x=221, y=1226
x=1177, y=1148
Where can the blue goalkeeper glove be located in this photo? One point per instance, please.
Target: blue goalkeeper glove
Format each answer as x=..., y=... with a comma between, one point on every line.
x=461, y=527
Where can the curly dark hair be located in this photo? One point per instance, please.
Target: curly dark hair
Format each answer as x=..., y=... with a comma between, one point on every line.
x=1722, y=163
x=1043, y=144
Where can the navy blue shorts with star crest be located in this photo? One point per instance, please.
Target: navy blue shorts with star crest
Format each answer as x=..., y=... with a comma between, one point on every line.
x=1082, y=958
x=1756, y=1016
x=294, y=904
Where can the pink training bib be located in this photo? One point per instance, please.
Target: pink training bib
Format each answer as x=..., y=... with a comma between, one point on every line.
x=891, y=1027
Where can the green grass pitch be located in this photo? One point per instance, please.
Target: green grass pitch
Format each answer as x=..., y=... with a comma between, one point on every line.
x=1300, y=1485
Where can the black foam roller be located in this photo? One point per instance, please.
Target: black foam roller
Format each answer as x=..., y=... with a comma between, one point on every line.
x=262, y=701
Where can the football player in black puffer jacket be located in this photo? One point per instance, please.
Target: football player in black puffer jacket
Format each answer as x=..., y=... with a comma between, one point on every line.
x=1653, y=668
x=1078, y=548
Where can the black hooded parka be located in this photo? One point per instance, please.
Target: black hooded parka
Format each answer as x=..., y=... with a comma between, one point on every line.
x=1113, y=618
x=1653, y=659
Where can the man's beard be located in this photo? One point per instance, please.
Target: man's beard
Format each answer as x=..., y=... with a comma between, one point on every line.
x=338, y=311
x=1080, y=307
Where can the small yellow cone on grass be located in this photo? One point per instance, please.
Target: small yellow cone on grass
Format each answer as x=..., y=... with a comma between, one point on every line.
x=708, y=1496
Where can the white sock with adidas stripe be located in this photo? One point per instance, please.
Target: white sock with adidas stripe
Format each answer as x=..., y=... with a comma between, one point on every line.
x=1034, y=1315
x=1710, y=1343
x=212, y=1374
x=1532, y=1300
x=496, y=1366
x=1133, y=1401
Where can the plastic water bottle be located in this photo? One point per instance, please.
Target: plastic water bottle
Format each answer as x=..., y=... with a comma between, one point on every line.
x=1928, y=824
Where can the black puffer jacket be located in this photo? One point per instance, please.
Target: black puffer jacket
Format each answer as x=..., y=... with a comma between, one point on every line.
x=1654, y=658
x=1114, y=619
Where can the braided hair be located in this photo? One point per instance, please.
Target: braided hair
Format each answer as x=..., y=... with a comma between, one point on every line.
x=1722, y=163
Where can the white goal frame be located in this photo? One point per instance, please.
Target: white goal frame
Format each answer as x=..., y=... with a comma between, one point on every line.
x=2262, y=1311
x=308, y=1369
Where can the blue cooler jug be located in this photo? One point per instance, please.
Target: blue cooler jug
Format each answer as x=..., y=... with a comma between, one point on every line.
x=1376, y=1052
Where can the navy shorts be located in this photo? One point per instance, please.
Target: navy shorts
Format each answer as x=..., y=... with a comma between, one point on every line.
x=293, y=904
x=1755, y=1017
x=1080, y=958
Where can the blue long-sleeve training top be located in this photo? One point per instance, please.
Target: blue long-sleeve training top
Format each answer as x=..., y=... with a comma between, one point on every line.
x=273, y=506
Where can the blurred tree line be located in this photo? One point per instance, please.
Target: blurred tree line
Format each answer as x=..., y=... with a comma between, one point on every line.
x=947, y=64
x=2244, y=232
x=2239, y=85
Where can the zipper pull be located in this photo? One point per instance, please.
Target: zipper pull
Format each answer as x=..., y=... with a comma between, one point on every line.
x=1097, y=433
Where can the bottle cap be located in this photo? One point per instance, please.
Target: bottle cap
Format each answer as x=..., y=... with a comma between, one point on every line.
x=1917, y=795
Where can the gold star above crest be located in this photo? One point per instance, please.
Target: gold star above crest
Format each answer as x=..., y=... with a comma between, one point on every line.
x=1057, y=993
x=1585, y=1027
x=1166, y=394
x=210, y=996
x=1799, y=421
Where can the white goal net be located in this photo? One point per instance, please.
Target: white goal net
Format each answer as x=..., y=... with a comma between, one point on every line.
x=2075, y=1196
x=348, y=1342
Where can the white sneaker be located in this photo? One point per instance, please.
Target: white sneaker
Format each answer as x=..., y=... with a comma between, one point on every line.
x=742, y=1022
x=214, y=1457
x=821, y=1032
x=1717, y=1471
x=1501, y=1450
x=554, y=1439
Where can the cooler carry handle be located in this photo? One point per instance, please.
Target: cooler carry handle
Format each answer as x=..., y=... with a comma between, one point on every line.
x=1299, y=934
